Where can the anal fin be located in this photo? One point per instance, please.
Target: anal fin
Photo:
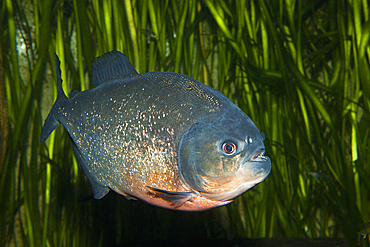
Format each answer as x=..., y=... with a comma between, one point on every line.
x=98, y=190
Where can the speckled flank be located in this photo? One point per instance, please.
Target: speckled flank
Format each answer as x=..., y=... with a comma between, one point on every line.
x=129, y=140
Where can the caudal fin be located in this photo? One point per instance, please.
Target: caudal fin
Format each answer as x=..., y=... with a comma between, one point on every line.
x=51, y=122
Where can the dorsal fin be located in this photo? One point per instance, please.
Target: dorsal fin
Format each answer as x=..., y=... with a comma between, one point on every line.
x=109, y=66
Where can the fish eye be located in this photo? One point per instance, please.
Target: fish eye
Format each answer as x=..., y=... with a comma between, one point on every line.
x=228, y=147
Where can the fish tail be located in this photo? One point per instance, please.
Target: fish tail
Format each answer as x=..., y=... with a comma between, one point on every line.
x=51, y=122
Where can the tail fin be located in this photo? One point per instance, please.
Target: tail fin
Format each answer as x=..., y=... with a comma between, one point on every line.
x=51, y=122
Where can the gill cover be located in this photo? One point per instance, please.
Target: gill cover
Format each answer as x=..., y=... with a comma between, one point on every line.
x=207, y=161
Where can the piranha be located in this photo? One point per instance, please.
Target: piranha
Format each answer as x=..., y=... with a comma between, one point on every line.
x=161, y=137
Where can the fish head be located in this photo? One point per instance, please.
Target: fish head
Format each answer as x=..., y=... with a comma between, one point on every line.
x=222, y=157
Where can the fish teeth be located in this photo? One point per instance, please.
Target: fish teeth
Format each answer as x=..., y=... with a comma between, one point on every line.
x=258, y=154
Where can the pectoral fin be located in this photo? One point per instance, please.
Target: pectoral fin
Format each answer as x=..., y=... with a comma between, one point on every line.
x=175, y=199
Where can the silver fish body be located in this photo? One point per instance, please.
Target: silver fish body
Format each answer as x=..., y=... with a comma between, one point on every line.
x=161, y=137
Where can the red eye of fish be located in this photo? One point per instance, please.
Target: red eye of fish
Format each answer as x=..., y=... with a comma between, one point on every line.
x=228, y=147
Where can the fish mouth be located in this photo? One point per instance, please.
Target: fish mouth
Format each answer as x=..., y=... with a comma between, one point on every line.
x=258, y=156
x=253, y=170
x=257, y=165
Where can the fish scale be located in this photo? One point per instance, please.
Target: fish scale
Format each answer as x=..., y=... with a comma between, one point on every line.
x=131, y=134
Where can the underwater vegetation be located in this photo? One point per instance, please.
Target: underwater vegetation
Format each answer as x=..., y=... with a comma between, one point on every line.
x=299, y=69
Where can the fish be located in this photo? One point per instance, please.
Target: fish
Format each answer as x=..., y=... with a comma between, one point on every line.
x=161, y=137
x=364, y=231
x=317, y=174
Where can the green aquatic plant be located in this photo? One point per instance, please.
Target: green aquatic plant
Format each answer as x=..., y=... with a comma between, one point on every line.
x=299, y=69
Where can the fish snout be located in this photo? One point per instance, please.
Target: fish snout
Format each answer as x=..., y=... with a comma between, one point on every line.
x=256, y=166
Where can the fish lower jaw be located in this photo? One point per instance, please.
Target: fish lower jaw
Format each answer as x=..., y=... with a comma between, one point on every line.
x=232, y=190
x=226, y=195
x=256, y=169
x=253, y=173
x=258, y=172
